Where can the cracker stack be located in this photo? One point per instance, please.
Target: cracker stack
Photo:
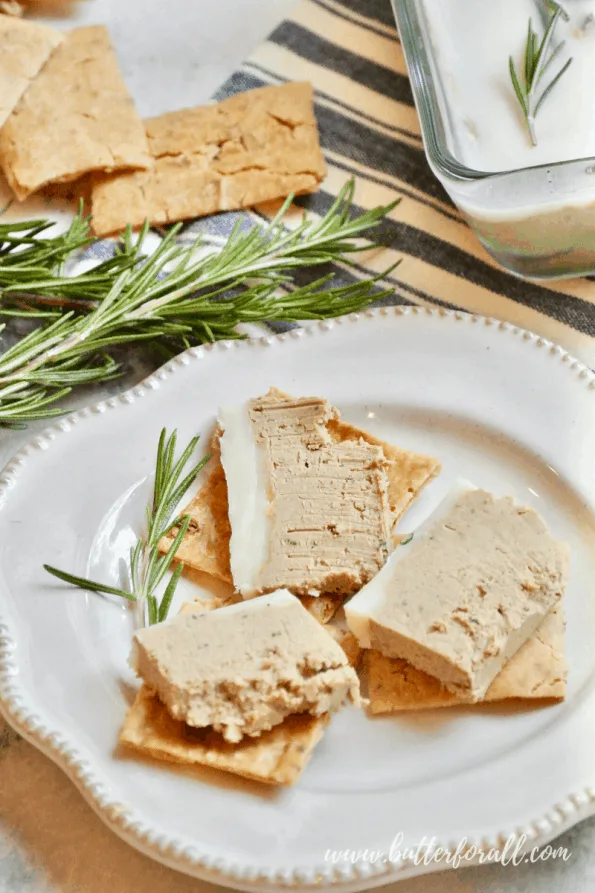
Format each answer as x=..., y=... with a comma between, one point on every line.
x=65, y=113
x=535, y=674
x=93, y=126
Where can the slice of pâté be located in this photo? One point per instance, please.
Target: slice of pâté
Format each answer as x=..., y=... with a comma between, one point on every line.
x=400, y=474
x=243, y=668
x=276, y=757
x=477, y=581
x=536, y=672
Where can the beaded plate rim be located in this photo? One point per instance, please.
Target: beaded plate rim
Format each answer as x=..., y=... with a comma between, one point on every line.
x=19, y=711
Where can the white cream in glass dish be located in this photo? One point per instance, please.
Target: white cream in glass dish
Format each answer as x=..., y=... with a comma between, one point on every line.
x=530, y=197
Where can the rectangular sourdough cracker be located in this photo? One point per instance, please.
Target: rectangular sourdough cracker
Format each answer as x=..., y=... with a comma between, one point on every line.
x=25, y=47
x=277, y=757
x=536, y=672
x=478, y=579
x=250, y=148
x=77, y=116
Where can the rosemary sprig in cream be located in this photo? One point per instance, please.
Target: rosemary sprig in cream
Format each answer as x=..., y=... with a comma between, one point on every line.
x=537, y=61
x=551, y=7
x=147, y=566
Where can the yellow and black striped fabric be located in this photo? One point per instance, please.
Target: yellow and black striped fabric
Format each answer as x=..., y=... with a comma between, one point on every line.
x=350, y=51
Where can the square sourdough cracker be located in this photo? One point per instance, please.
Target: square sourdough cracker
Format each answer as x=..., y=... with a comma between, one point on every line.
x=25, y=47
x=536, y=671
x=276, y=757
x=324, y=606
x=206, y=546
x=77, y=116
x=250, y=148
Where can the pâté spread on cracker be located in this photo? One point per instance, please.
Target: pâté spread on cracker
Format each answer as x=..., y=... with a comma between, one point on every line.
x=295, y=522
x=297, y=518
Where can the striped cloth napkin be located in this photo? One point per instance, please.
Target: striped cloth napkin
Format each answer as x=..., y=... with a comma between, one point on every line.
x=350, y=51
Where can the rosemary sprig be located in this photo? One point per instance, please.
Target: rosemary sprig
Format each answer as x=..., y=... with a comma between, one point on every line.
x=551, y=8
x=28, y=258
x=174, y=298
x=147, y=566
x=538, y=59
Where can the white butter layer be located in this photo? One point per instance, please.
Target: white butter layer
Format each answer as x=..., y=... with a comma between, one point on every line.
x=243, y=464
x=472, y=41
x=364, y=606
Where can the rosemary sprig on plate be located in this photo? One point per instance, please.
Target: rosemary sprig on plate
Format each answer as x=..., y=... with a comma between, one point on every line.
x=537, y=61
x=174, y=298
x=147, y=566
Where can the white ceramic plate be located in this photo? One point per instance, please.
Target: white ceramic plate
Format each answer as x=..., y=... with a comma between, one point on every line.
x=502, y=407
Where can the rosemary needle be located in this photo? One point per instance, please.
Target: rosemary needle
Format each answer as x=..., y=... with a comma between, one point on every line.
x=147, y=566
x=538, y=58
x=172, y=299
x=552, y=7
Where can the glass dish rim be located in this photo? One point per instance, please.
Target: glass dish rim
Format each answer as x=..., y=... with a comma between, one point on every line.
x=424, y=94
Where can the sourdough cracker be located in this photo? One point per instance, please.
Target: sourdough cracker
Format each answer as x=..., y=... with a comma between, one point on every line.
x=206, y=545
x=250, y=148
x=324, y=606
x=408, y=473
x=25, y=47
x=77, y=116
x=276, y=757
x=11, y=8
x=348, y=643
x=537, y=671
x=203, y=604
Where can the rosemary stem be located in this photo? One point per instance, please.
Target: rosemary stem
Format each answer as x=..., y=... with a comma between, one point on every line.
x=173, y=297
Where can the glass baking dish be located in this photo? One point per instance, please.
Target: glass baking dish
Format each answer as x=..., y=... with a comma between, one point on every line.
x=537, y=220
